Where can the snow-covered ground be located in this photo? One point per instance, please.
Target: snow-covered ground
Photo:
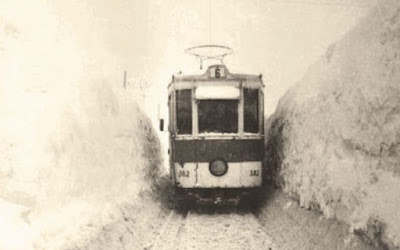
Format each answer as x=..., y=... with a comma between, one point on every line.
x=15, y=230
x=74, y=145
x=79, y=161
x=279, y=224
x=334, y=138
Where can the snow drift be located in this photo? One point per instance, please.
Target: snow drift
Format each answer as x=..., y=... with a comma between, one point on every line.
x=334, y=139
x=75, y=150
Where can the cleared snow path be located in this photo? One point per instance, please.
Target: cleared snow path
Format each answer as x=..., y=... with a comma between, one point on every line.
x=224, y=231
x=279, y=224
x=211, y=231
x=170, y=233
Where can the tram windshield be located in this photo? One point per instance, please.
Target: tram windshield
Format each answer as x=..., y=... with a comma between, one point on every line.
x=218, y=116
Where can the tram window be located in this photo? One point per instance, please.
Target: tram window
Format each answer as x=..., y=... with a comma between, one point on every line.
x=218, y=116
x=184, y=111
x=251, y=112
x=170, y=112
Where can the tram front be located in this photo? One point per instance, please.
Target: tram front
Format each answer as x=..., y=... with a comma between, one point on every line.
x=216, y=134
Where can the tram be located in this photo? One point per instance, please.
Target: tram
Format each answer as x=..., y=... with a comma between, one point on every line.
x=216, y=132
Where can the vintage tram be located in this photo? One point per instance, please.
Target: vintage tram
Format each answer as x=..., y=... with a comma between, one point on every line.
x=216, y=135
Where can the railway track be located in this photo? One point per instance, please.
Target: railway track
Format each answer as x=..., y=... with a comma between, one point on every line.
x=170, y=232
x=280, y=227
x=211, y=230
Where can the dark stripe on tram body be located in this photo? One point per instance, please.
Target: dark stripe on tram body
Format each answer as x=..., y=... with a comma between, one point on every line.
x=208, y=150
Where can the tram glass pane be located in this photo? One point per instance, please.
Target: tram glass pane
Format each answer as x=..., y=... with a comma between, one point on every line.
x=184, y=111
x=218, y=116
x=251, y=116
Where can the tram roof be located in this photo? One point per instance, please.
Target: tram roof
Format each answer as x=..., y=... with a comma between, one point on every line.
x=226, y=76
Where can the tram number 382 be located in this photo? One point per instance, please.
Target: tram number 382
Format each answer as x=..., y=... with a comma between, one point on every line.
x=183, y=173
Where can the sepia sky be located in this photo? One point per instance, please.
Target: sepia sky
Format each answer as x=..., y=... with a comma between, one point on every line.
x=279, y=39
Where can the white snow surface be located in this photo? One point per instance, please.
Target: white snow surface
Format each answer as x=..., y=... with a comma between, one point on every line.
x=14, y=230
x=335, y=136
x=73, y=142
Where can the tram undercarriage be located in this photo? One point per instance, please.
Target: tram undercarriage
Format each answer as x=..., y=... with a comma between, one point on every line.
x=216, y=196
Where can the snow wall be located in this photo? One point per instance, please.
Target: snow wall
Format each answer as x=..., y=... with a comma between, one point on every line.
x=334, y=140
x=73, y=142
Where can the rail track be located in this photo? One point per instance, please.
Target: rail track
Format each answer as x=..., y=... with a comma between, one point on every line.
x=170, y=232
x=279, y=227
x=218, y=229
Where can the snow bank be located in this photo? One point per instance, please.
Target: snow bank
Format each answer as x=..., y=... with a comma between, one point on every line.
x=334, y=138
x=73, y=143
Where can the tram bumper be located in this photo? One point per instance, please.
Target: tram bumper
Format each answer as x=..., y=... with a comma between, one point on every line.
x=217, y=196
x=238, y=175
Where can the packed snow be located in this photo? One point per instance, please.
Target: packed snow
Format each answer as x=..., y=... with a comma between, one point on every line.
x=74, y=146
x=279, y=224
x=334, y=138
x=80, y=162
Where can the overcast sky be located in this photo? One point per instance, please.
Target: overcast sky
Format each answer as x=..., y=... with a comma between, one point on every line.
x=63, y=47
x=279, y=39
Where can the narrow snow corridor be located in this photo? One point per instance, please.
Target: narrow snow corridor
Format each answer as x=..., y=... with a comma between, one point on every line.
x=280, y=224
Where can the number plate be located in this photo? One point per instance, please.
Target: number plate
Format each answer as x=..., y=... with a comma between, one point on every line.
x=254, y=172
x=183, y=173
x=218, y=72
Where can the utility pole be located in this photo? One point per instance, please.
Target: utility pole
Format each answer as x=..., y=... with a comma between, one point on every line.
x=124, y=79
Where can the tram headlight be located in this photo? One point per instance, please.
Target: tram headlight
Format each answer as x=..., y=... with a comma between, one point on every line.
x=218, y=167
